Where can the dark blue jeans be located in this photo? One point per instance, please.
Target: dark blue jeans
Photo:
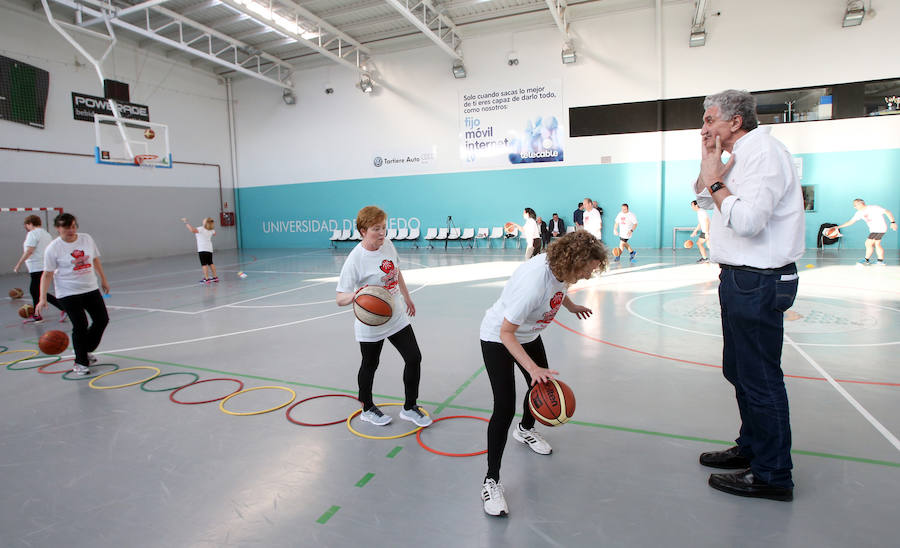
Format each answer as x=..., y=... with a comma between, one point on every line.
x=753, y=306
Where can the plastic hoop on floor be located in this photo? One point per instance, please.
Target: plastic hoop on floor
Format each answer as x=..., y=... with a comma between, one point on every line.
x=40, y=368
x=65, y=376
x=113, y=372
x=145, y=389
x=34, y=353
x=288, y=412
x=436, y=452
x=222, y=403
x=5, y=348
x=11, y=368
x=358, y=411
x=172, y=394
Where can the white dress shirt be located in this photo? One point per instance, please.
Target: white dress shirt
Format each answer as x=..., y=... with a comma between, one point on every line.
x=762, y=223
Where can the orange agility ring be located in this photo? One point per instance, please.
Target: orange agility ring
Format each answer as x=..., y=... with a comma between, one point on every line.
x=436, y=452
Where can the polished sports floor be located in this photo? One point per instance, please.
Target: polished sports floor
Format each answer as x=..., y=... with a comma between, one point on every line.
x=88, y=467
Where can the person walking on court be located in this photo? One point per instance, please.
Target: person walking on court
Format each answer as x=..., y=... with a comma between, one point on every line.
x=204, y=236
x=72, y=264
x=703, y=228
x=873, y=216
x=510, y=335
x=36, y=242
x=593, y=223
x=374, y=261
x=623, y=227
x=759, y=224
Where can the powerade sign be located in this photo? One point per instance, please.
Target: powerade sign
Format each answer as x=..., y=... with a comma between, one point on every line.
x=85, y=106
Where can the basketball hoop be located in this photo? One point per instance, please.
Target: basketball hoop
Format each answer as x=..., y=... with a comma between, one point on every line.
x=145, y=160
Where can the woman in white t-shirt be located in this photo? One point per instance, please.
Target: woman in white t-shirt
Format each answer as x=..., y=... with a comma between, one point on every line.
x=204, y=236
x=72, y=263
x=531, y=233
x=36, y=242
x=374, y=261
x=510, y=334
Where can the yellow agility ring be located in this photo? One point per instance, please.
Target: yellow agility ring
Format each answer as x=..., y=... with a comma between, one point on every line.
x=222, y=403
x=360, y=434
x=108, y=373
x=31, y=354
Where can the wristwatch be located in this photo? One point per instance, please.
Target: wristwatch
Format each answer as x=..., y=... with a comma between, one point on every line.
x=715, y=187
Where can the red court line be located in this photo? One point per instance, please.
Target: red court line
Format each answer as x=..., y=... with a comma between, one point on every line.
x=629, y=349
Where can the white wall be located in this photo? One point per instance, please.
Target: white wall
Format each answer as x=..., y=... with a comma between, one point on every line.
x=760, y=45
x=192, y=104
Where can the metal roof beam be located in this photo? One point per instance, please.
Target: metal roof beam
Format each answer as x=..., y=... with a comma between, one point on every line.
x=558, y=11
x=433, y=24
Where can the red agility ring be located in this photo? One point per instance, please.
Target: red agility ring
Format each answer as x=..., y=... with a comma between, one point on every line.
x=288, y=412
x=41, y=368
x=172, y=394
x=436, y=452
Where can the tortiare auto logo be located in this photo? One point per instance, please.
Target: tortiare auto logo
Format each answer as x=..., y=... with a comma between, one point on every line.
x=379, y=161
x=401, y=159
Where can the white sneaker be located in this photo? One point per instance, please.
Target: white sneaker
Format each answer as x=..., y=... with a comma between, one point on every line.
x=534, y=440
x=879, y=263
x=375, y=416
x=416, y=415
x=494, y=501
x=92, y=359
x=81, y=369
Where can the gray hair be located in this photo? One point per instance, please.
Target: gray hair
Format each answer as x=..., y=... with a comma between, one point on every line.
x=732, y=102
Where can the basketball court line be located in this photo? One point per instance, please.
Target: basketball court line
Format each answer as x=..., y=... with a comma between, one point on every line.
x=856, y=405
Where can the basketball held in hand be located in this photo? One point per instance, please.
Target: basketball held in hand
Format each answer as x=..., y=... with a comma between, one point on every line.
x=53, y=342
x=373, y=305
x=552, y=403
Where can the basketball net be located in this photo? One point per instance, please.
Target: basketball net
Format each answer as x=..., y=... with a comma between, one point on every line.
x=145, y=161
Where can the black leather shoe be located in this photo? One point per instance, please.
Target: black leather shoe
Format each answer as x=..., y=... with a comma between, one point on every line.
x=729, y=459
x=743, y=484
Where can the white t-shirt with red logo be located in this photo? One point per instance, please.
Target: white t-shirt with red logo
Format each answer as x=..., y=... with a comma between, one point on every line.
x=531, y=298
x=73, y=264
x=627, y=222
x=873, y=216
x=380, y=267
x=593, y=222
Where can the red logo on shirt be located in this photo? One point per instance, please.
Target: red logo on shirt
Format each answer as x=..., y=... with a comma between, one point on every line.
x=390, y=278
x=81, y=260
x=555, y=303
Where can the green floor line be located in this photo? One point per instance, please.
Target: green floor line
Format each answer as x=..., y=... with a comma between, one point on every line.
x=458, y=391
x=365, y=479
x=327, y=515
x=488, y=412
x=394, y=451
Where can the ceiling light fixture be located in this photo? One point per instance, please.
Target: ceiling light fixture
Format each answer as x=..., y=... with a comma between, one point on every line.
x=568, y=54
x=459, y=70
x=365, y=83
x=855, y=13
x=698, y=37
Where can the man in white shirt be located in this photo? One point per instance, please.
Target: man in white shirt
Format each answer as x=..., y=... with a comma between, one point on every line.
x=873, y=216
x=623, y=227
x=703, y=228
x=759, y=225
x=593, y=223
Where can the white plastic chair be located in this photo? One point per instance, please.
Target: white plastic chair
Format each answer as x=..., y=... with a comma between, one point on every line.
x=496, y=234
x=391, y=234
x=482, y=234
x=570, y=229
x=402, y=234
x=431, y=235
x=453, y=234
x=356, y=236
x=468, y=235
x=335, y=236
x=414, y=236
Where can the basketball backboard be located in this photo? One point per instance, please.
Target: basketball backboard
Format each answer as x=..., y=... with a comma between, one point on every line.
x=131, y=142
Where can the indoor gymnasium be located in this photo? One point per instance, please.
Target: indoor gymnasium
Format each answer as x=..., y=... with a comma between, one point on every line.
x=676, y=218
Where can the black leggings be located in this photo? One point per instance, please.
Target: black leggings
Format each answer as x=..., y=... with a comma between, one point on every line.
x=35, y=290
x=85, y=339
x=405, y=343
x=498, y=362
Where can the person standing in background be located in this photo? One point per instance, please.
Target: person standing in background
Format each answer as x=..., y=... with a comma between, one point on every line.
x=593, y=223
x=578, y=216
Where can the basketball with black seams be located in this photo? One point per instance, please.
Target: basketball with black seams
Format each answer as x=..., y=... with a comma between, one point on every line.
x=26, y=311
x=373, y=305
x=617, y=251
x=16, y=293
x=53, y=342
x=149, y=133
x=552, y=403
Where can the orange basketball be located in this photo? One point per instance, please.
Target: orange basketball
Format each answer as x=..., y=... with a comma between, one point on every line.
x=617, y=251
x=831, y=232
x=552, y=402
x=16, y=293
x=373, y=305
x=53, y=342
x=688, y=244
x=149, y=133
x=510, y=228
x=26, y=311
